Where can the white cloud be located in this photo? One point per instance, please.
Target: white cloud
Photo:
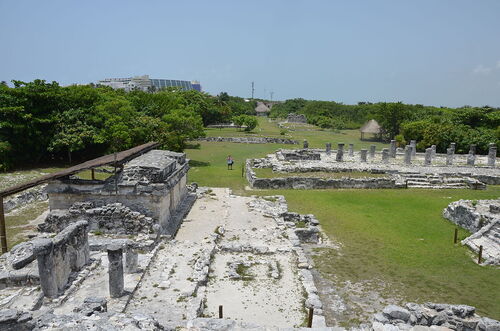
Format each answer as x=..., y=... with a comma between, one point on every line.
x=481, y=70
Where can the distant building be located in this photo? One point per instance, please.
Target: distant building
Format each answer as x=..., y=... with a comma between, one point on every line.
x=145, y=83
x=262, y=109
x=371, y=127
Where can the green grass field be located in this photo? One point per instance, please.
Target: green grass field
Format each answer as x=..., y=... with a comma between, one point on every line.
x=396, y=239
x=316, y=139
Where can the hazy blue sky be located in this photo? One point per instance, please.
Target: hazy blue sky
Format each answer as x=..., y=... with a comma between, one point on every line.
x=434, y=52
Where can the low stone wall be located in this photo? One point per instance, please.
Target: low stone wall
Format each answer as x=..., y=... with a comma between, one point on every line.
x=454, y=317
x=58, y=257
x=472, y=214
x=482, y=217
x=251, y=140
x=26, y=197
x=309, y=183
x=112, y=218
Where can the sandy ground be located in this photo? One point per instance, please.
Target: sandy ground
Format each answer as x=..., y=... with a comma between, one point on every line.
x=190, y=274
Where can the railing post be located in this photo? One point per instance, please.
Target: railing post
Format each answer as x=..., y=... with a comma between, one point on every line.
x=310, y=318
x=3, y=233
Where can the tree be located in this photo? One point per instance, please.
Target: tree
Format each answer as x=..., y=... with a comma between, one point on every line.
x=250, y=122
x=182, y=125
x=390, y=116
x=73, y=132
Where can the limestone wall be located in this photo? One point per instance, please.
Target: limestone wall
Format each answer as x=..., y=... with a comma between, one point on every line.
x=472, y=214
x=316, y=183
x=25, y=197
x=58, y=257
x=113, y=218
x=157, y=201
x=251, y=140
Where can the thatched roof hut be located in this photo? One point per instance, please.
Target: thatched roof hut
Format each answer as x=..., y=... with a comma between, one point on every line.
x=262, y=109
x=371, y=127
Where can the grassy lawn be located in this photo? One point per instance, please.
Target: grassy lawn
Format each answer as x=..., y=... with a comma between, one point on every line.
x=18, y=221
x=316, y=139
x=268, y=173
x=209, y=168
x=396, y=238
x=8, y=179
x=399, y=238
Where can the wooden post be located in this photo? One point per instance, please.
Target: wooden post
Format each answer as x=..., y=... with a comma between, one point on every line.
x=480, y=254
x=310, y=318
x=3, y=233
x=92, y=173
x=456, y=236
x=116, y=179
x=220, y=311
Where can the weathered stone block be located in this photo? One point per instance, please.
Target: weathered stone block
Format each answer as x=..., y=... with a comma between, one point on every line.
x=116, y=281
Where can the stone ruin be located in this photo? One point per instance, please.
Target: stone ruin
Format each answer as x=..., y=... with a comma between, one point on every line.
x=95, y=228
x=142, y=197
x=482, y=218
x=298, y=154
x=68, y=278
x=403, y=168
x=432, y=316
x=296, y=118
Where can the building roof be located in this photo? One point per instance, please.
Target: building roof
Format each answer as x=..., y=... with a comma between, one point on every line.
x=121, y=158
x=371, y=126
x=261, y=107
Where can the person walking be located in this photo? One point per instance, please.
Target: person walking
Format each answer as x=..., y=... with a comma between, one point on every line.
x=230, y=162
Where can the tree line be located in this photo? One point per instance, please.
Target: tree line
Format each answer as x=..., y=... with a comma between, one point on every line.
x=43, y=122
x=428, y=125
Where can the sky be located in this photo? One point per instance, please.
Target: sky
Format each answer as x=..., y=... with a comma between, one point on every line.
x=431, y=52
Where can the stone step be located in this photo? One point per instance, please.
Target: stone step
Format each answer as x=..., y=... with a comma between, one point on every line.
x=453, y=180
x=461, y=184
x=413, y=179
x=414, y=176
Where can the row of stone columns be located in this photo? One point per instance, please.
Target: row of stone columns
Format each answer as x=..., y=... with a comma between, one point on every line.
x=115, y=257
x=410, y=153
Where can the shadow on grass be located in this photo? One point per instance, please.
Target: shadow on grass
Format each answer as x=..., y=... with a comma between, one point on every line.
x=195, y=163
x=192, y=146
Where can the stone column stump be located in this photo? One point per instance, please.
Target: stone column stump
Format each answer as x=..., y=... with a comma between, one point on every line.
x=372, y=151
x=385, y=155
x=328, y=148
x=43, y=249
x=362, y=154
x=408, y=153
x=413, y=144
x=433, y=150
x=351, y=149
x=453, y=146
x=393, y=149
x=428, y=156
x=306, y=144
x=471, y=158
x=472, y=149
x=131, y=261
x=449, y=156
x=115, y=257
x=340, y=153
x=492, y=155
